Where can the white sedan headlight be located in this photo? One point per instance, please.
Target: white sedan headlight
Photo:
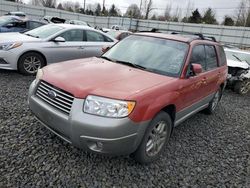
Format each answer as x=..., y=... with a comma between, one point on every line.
x=108, y=107
x=9, y=46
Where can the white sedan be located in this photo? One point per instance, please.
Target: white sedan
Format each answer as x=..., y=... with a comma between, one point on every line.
x=48, y=44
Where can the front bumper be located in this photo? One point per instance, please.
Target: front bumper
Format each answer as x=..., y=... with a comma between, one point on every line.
x=8, y=60
x=99, y=134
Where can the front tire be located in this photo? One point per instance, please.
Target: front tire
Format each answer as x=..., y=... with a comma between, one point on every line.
x=242, y=87
x=155, y=139
x=30, y=62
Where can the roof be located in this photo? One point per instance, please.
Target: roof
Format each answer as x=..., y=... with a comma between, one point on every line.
x=178, y=37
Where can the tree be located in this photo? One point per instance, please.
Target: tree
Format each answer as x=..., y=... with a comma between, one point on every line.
x=48, y=3
x=60, y=6
x=148, y=8
x=133, y=11
x=98, y=10
x=196, y=17
x=177, y=15
x=113, y=11
x=228, y=21
x=35, y=2
x=243, y=14
x=68, y=5
x=209, y=17
x=153, y=17
x=167, y=12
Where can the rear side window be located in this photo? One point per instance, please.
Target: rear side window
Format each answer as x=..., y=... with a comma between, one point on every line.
x=93, y=36
x=211, y=58
x=222, y=55
x=199, y=56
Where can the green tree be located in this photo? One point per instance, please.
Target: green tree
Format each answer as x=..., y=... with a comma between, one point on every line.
x=60, y=7
x=113, y=11
x=196, y=17
x=98, y=10
x=133, y=11
x=228, y=21
x=209, y=17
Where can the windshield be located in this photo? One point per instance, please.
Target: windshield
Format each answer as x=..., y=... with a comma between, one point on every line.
x=157, y=55
x=44, y=31
x=238, y=56
x=4, y=20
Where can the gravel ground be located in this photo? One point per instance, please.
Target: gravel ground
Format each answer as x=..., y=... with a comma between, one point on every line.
x=205, y=151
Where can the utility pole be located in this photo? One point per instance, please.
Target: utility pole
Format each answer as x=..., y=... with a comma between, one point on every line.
x=103, y=5
x=84, y=5
x=140, y=5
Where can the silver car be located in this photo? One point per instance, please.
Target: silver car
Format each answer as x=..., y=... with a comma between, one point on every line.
x=50, y=44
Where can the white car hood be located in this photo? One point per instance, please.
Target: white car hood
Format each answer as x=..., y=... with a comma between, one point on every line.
x=232, y=63
x=16, y=37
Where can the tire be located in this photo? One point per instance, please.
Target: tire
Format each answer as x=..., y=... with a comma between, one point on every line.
x=214, y=102
x=29, y=63
x=159, y=132
x=242, y=87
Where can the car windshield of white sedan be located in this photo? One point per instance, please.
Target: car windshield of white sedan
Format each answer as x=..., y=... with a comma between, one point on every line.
x=152, y=54
x=44, y=31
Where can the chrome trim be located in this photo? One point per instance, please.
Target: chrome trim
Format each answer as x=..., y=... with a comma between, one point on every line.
x=63, y=101
x=108, y=139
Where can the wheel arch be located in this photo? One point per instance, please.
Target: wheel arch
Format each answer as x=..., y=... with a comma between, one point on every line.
x=32, y=51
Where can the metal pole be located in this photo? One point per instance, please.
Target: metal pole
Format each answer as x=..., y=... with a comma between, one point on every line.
x=84, y=5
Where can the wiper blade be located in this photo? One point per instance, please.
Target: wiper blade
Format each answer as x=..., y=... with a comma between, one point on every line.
x=237, y=58
x=131, y=64
x=31, y=35
x=104, y=57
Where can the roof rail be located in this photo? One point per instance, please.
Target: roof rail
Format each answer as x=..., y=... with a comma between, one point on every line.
x=200, y=35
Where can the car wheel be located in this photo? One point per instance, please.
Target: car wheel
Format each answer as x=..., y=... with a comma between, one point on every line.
x=214, y=102
x=242, y=87
x=154, y=140
x=30, y=62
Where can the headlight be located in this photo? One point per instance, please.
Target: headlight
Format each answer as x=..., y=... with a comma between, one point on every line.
x=108, y=107
x=9, y=46
x=39, y=75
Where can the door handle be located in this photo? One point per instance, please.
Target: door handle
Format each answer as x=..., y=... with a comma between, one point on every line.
x=81, y=48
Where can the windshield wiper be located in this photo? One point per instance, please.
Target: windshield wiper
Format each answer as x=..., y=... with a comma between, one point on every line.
x=131, y=64
x=104, y=57
x=237, y=58
x=31, y=35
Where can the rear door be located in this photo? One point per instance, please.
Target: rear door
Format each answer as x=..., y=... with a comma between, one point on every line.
x=94, y=43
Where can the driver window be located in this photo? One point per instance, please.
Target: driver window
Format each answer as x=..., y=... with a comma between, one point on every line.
x=75, y=35
x=199, y=56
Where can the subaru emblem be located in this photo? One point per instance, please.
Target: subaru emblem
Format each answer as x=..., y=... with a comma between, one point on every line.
x=52, y=94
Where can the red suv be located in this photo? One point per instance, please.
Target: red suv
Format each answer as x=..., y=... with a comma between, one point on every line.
x=129, y=100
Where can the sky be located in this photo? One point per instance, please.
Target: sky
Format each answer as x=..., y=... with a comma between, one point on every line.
x=221, y=7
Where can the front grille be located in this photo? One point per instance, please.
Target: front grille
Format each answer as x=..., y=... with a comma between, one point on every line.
x=61, y=100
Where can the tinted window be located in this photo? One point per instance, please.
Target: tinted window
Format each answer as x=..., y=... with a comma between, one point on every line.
x=211, y=58
x=198, y=56
x=157, y=55
x=73, y=35
x=33, y=25
x=93, y=36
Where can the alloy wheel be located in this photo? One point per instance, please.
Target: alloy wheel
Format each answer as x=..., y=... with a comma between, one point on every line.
x=32, y=64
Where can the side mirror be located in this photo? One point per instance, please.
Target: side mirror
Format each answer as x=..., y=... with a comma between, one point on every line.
x=59, y=39
x=105, y=49
x=196, y=68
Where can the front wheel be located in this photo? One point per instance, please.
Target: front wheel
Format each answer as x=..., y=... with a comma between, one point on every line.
x=30, y=62
x=154, y=140
x=242, y=87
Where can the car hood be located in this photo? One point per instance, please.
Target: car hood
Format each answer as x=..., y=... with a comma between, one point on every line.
x=239, y=64
x=16, y=37
x=97, y=76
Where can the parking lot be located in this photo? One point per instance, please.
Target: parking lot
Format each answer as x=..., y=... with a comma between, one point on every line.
x=203, y=151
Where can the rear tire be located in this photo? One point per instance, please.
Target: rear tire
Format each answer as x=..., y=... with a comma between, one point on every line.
x=242, y=87
x=155, y=139
x=214, y=102
x=30, y=62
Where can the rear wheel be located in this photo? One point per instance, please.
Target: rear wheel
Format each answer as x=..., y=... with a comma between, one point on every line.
x=30, y=62
x=242, y=87
x=155, y=138
x=214, y=102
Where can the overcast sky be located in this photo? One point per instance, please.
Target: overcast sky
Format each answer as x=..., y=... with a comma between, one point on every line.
x=221, y=7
